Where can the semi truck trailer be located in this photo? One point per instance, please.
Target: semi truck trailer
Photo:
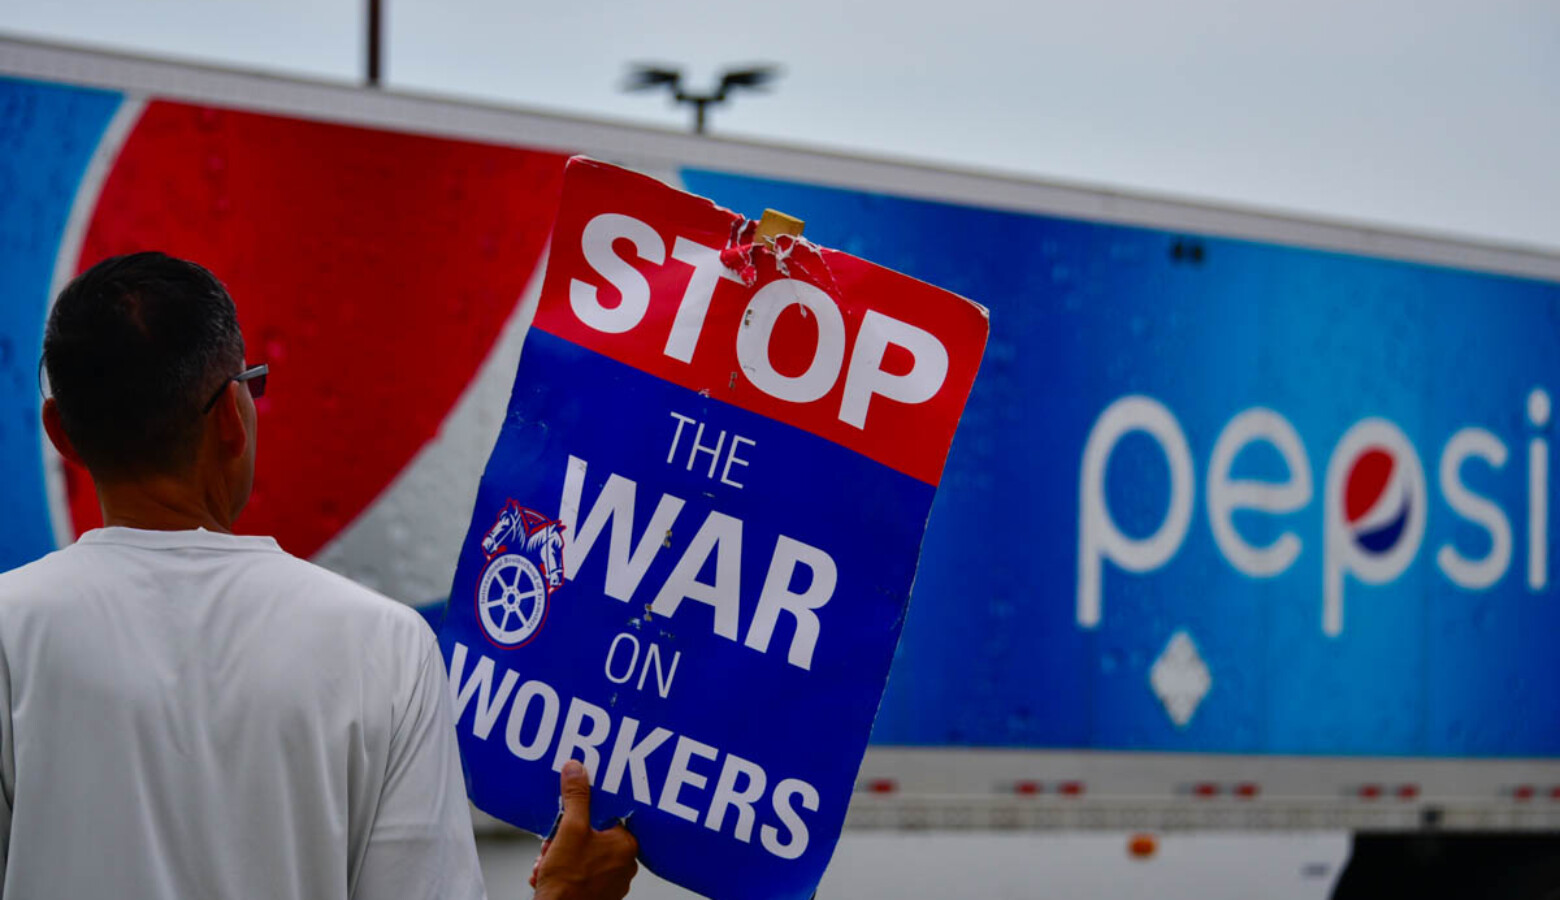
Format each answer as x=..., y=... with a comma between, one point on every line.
x=1247, y=528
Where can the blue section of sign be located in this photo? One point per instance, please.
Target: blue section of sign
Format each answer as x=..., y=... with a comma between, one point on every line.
x=791, y=760
x=1085, y=314
x=47, y=135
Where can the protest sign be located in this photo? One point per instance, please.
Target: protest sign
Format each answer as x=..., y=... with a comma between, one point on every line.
x=693, y=545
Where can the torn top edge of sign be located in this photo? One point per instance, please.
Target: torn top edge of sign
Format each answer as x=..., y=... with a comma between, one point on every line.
x=744, y=249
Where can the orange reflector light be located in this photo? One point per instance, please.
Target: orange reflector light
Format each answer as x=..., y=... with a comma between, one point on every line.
x=1142, y=846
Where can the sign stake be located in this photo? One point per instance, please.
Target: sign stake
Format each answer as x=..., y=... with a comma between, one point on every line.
x=775, y=223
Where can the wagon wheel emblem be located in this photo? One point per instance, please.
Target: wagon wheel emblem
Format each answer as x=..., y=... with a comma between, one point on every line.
x=511, y=600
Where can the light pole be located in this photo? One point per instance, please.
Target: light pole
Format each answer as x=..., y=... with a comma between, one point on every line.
x=376, y=22
x=643, y=77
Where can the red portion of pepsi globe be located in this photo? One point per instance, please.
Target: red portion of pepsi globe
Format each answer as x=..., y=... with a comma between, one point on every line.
x=374, y=324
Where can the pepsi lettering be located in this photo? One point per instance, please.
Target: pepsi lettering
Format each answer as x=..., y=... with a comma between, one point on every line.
x=718, y=539
x=1376, y=503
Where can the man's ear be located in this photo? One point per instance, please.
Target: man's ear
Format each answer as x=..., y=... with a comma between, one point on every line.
x=54, y=427
x=227, y=418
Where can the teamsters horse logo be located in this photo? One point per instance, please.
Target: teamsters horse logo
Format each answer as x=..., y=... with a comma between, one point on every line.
x=524, y=566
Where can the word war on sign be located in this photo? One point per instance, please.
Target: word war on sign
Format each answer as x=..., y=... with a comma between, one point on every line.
x=718, y=541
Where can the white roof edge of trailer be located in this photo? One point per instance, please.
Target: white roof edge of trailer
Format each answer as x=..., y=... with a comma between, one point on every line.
x=652, y=147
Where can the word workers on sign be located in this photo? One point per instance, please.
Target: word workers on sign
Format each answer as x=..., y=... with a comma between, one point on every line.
x=693, y=545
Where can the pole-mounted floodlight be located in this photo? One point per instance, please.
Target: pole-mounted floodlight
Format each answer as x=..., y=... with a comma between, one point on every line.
x=643, y=77
x=374, y=57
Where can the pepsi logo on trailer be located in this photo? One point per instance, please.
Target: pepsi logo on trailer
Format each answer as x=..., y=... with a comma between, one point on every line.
x=1376, y=511
x=1376, y=500
x=693, y=545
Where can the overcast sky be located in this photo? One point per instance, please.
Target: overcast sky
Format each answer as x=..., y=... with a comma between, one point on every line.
x=1431, y=114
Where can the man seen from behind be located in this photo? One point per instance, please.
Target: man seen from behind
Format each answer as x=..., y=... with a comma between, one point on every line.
x=186, y=712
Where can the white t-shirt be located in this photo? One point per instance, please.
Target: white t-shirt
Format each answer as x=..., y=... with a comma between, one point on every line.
x=198, y=715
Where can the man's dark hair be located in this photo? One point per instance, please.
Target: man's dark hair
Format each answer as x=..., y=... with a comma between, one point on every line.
x=134, y=347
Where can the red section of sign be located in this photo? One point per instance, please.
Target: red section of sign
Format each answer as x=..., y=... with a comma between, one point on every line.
x=372, y=270
x=862, y=403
